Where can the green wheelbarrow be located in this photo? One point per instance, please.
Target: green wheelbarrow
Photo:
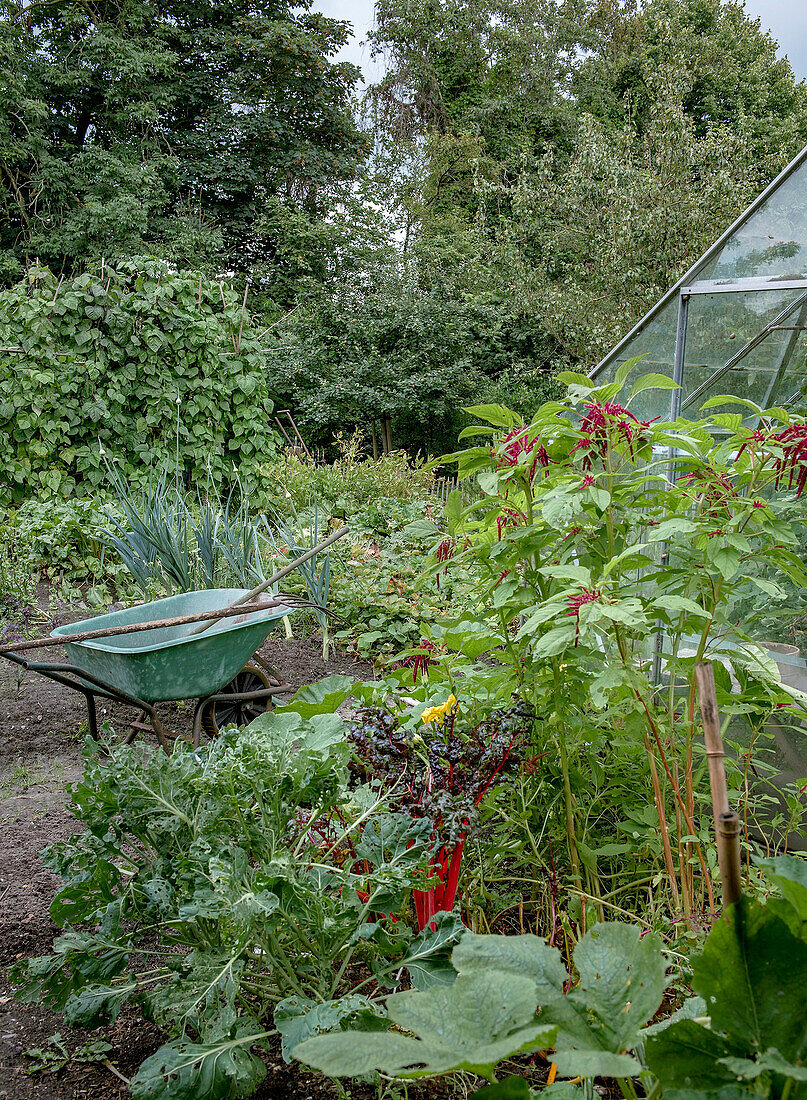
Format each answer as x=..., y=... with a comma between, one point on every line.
x=219, y=668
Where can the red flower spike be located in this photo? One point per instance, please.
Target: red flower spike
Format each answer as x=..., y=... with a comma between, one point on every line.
x=598, y=429
x=518, y=442
x=420, y=662
x=445, y=551
x=574, y=603
x=715, y=490
x=510, y=517
x=793, y=462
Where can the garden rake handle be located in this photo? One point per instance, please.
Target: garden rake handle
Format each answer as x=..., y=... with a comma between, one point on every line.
x=135, y=628
x=281, y=573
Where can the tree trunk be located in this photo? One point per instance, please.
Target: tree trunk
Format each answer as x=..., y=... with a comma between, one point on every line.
x=375, y=440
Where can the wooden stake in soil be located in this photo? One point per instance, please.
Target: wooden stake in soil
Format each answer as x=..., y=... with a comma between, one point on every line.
x=727, y=823
x=728, y=854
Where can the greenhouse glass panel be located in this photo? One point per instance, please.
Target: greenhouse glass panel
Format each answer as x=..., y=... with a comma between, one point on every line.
x=772, y=243
x=737, y=344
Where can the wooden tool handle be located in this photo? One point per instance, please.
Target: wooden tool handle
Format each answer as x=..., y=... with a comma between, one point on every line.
x=136, y=628
x=284, y=572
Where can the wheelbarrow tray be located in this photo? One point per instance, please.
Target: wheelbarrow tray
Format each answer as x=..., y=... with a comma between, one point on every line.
x=172, y=662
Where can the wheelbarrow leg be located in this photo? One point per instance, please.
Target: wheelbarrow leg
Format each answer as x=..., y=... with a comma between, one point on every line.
x=92, y=716
x=155, y=725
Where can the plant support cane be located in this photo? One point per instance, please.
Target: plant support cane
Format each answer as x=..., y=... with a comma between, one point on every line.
x=727, y=822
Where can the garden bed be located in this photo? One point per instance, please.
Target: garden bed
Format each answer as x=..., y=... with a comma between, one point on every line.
x=41, y=733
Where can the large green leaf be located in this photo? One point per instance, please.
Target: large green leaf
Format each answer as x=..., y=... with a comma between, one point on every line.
x=223, y=1069
x=323, y=697
x=429, y=958
x=688, y=1055
x=298, y=1018
x=528, y=956
x=471, y=1025
x=789, y=873
x=752, y=974
x=622, y=982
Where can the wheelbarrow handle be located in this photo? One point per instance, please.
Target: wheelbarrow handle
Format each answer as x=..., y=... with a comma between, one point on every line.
x=281, y=573
x=135, y=628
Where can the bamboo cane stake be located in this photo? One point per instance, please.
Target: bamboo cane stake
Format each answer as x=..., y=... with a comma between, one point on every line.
x=136, y=628
x=727, y=822
x=728, y=854
x=281, y=573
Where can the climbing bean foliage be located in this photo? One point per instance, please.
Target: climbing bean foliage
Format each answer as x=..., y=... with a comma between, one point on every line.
x=142, y=363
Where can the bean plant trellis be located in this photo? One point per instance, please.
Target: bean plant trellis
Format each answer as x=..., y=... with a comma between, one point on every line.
x=736, y=324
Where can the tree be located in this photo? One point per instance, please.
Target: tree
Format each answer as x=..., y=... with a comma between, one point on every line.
x=171, y=127
x=587, y=152
x=721, y=59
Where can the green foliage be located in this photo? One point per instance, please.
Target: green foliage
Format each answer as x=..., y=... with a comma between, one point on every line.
x=751, y=977
x=743, y=1036
x=143, y=364
x=348, y=487
x=169, y=541
x=471, y=1025
x=248, y=876
x=509, y=998
x=63, y=542
x=562, y=164
x=210, y=135
x=55, y=1056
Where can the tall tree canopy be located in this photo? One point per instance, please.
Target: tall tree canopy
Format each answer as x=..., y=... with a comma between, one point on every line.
x=185, y=128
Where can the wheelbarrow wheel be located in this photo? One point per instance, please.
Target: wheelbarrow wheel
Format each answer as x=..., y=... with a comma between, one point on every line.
x=217, y=715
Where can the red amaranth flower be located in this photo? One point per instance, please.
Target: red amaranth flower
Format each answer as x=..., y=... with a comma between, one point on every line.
x=714, y=489
x=518, y=442
x=444, y=552
x=606, y=422
x=574, y=603
x=510, y=517
x=420, y=662
x=757, y=436
x=793, y=462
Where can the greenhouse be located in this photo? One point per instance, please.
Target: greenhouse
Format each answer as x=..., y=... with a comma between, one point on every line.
x=736, y=322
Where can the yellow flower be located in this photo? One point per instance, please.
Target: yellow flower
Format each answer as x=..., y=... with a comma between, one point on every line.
x=438, y=714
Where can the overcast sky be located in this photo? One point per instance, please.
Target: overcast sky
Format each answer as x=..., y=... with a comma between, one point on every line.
x=785, y=19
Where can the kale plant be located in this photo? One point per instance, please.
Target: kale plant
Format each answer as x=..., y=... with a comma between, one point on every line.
x=233, y=892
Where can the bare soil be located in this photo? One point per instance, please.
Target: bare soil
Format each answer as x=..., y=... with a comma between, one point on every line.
x=42, y=726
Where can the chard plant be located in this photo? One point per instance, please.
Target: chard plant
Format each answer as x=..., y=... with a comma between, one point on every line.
x=437, y=767
x=612, y=554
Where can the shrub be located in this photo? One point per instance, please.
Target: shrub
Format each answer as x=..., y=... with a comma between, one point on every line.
x=346, y=486
x=142, y=362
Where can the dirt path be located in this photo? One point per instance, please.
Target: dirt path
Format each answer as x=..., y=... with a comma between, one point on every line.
x=42, y=726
